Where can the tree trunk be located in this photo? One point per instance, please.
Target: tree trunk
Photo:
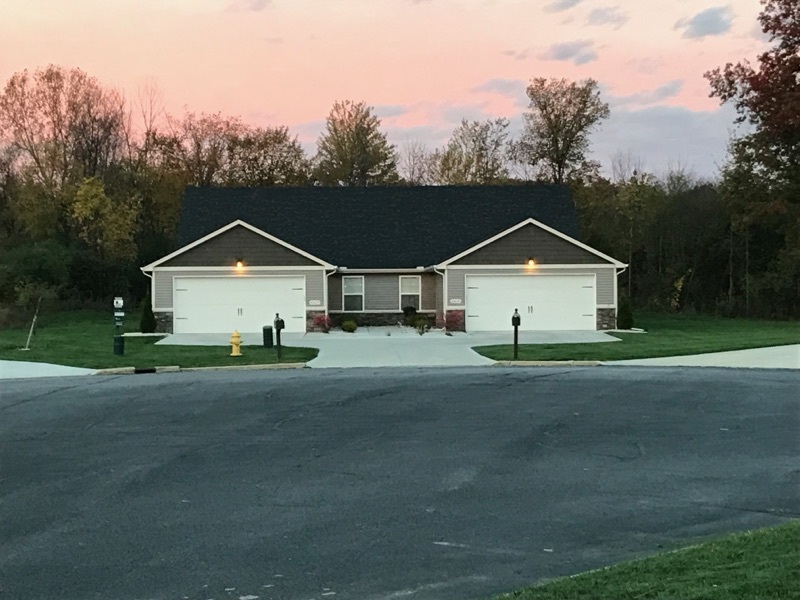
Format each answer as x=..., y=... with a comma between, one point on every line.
x=747, y=274
x=730, y=270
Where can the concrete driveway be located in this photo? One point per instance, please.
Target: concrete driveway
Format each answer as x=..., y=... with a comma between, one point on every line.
x=397, y=346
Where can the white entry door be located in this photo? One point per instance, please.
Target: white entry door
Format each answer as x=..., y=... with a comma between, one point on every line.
x=222, y=304
x=545, y=302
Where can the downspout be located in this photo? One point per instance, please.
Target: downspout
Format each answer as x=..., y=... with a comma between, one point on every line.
x=444, y=295
x=152, y=283
x=325, y=299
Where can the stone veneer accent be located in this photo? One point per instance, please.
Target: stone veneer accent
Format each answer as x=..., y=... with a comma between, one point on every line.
x=456, y=320
x=163, y=322
x=606, y=318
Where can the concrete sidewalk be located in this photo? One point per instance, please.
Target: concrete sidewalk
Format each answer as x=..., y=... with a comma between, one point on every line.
x=17, y=369
x=775, y=357
x=397, y=346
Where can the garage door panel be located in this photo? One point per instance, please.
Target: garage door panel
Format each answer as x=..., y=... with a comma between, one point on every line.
x=222, y=304
x=545, y=302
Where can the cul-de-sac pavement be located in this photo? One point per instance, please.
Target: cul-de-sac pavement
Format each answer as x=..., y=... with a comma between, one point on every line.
x=379, y=484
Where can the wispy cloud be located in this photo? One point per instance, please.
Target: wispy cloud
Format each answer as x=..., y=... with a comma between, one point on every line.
x=517, y=54
x=608, y=15
x=578, y=52
x=254, y=5
x=559, y=5
x=712, y=21
x=387, y=111
x=661, y=93
x=511, y=88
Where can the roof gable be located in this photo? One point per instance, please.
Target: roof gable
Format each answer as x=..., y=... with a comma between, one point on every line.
x=531, y=239
x=379, y=227
x=237, y=241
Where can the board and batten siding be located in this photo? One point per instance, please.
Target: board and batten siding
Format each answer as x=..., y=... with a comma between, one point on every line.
x=456, y=279
x=530, y=241
x=382, y=291
x=239, y=243
x=163, y=283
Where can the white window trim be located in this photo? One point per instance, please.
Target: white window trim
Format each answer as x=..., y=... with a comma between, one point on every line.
x=400, y=290
x=363, y=295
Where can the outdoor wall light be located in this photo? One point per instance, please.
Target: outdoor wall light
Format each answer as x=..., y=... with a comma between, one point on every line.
x=530, y=262
x=239, y=264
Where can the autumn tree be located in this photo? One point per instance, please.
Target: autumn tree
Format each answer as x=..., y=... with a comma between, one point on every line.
x=561, y=116
x=104, y=225
x=64, y=124
x=761, y=181
x=198, y=144
x=353, y=151
x=475, y=154
x=264, y=157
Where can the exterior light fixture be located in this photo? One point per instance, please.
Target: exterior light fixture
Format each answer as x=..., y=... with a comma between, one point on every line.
x=239, y=264
x=530, y=262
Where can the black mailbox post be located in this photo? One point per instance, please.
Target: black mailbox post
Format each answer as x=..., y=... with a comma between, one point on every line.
x=516, y=320
x=279, y=325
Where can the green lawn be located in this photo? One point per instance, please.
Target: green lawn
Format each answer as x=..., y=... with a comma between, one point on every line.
x=762, y=564
x=667, y=335
x=85, y=339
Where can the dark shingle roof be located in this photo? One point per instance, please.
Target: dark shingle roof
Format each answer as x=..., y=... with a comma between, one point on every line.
x=378, y=227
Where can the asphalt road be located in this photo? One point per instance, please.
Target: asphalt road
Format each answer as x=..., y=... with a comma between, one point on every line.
x=378, y=484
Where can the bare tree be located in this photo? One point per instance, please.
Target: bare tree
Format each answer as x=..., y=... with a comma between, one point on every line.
x=625, y=165
x=415, y=163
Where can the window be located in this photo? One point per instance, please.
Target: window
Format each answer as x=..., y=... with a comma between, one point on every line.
x=353, y=293
x=410, y=292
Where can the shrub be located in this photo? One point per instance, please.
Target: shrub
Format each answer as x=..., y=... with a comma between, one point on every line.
x=409, y=312
x=624, y=314
x=323, y=322
x=454, y=320
x=349, y=326
x=147, y=323
x=421, y=324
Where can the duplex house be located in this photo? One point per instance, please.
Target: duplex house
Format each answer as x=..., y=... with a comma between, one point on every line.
x=468, y=254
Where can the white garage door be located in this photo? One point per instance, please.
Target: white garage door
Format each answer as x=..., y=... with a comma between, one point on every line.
x=222, y=304
x=545, y=302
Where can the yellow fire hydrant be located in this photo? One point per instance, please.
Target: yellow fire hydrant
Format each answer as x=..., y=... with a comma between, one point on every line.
x=235, y=342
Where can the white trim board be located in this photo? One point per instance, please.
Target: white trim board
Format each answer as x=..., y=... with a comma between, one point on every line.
x=530, y=221
x=231, y=225
x=237, y=272
x=538, y=267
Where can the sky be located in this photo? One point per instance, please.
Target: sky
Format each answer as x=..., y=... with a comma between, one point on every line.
x=422, y=64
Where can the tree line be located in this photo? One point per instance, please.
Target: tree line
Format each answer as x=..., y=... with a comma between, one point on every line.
x=91, y=181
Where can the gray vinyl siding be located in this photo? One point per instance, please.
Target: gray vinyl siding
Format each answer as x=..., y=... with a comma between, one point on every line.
x=527, y=242
x=431, y=296
x=239, y=243
x=162, y=297
x=382, y=291
x=605, y=281
x=334, y=292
